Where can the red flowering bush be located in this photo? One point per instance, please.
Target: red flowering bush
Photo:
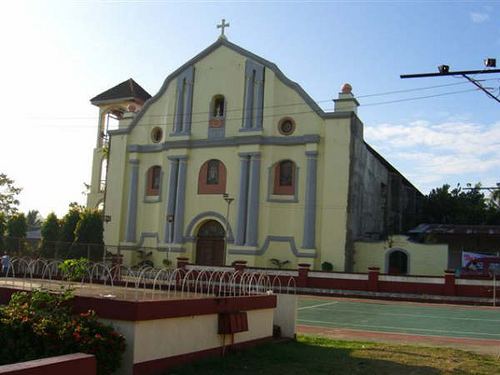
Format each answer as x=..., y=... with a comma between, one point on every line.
x=41, y=324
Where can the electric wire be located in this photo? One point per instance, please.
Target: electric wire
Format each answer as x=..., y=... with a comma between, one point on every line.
x=240, y=109
x=204, y=121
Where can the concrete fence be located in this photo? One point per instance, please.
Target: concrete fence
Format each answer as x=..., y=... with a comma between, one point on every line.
x=375, y=284
x=74, y=364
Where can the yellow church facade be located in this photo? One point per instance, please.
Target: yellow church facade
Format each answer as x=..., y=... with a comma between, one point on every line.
x=231, y=160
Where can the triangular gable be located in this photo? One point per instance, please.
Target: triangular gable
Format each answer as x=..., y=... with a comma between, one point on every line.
x=224, y=42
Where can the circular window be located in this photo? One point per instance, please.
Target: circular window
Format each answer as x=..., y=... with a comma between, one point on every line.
x=286, y=126
x=156, y=135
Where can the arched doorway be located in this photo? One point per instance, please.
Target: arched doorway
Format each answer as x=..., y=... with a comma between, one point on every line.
x=210, y=244
x=398, y=263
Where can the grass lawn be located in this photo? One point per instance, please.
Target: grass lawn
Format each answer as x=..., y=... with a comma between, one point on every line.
x=317, y=355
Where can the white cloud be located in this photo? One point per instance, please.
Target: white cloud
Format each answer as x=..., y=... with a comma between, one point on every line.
x=433, y=154
x=478, y=17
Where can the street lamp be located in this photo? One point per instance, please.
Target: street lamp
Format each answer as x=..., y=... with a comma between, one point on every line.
x=228, y=200
x=170, y=221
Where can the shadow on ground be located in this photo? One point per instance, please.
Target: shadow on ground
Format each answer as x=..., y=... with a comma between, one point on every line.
x=305, y=358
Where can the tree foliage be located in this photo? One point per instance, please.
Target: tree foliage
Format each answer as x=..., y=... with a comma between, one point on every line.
x=33, y=219
x=68, y=226
x=8, y=195
x=51, y=229
x=89, y=231
x=458, y=206
x=16, y=232
x=3, y=228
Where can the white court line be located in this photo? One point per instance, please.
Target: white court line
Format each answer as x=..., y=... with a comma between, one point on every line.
x=315, y=306
x=398, y=328
x=407, y=315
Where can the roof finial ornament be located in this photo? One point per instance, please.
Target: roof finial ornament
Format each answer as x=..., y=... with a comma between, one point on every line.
x=222, y=26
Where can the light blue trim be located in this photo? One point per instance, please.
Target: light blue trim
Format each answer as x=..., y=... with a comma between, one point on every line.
x=183, y=109
x=265, y=247
x=145, y=235
x=216, y=133
x=224, y=42
x=159, y=247
x=179, y=134
x=179, y=108
x=180, y=201
x=309, y=238
x=251, y=237
x=131, y=226
x=249, y=95
x=254, y=96
x=190, y=235
x=177, y=157
x=259, y=100
x=172, y=194
x=188, y=110
x=270, y=185
x=242, y=200
x=227, y=142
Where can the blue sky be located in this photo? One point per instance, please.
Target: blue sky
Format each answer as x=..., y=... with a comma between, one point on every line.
x=57, y=55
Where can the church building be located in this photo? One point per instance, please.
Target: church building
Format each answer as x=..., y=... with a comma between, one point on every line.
x=231, y=160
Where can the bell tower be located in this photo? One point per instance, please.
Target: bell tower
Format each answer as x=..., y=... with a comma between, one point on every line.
x=126, y=97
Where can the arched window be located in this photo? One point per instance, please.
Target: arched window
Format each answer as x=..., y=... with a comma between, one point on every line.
x=213, y=172
x=217, y=114
x=398, y=263
x=153, y=181
x=284, y=178
x=212, y=177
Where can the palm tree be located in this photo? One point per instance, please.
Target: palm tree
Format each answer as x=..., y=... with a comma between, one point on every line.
x=34, y=220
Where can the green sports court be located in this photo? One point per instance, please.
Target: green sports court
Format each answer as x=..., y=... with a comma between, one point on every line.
x=433, y=320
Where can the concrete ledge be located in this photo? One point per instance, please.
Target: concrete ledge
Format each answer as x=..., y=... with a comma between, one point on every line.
x=74, y=364
x=159, y=366
x=161, y=309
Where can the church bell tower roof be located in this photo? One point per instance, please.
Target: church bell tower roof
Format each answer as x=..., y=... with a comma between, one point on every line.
x=127, y=90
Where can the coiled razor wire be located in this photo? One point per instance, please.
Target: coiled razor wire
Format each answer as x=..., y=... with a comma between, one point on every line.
x=146, y=282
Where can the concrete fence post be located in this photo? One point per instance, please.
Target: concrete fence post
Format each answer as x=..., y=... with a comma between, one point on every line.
x=182, y=262
x=373, y=273
x=303, y=279
x=449, y=283
x=239, y=265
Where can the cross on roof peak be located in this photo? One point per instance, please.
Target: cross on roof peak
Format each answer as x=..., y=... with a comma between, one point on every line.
x=222, y=26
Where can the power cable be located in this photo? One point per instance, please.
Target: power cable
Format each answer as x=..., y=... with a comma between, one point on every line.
x=317, y=102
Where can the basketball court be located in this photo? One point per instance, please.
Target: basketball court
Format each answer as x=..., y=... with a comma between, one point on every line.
x=464, y=327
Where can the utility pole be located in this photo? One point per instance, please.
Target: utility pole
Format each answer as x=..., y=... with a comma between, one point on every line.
x=444, y=70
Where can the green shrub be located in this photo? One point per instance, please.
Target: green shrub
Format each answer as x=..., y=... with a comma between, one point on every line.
x=41, y=324
x=327, y=266
x=74, y=269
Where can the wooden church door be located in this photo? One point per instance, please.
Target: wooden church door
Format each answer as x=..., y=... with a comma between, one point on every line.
x=210, y=244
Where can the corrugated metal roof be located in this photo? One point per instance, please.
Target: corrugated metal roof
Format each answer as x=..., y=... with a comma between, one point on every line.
x=455, y=229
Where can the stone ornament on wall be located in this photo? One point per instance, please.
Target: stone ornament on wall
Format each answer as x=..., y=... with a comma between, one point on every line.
x=286, y=126
x=156, y=134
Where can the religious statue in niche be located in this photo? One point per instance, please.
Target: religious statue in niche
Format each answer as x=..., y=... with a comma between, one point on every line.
x=217, y=112
x=286, y=171
x=213, y=172
x=219, y=107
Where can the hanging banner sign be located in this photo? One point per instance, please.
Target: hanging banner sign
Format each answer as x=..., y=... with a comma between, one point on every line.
x=468, y=257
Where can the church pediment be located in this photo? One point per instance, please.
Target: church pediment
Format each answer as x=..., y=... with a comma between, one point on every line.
x=185, y=74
